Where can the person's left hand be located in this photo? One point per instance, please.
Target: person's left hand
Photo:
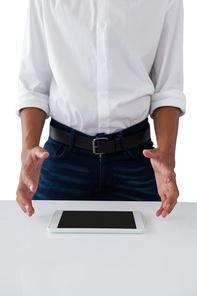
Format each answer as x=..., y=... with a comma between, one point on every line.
x=163, y=166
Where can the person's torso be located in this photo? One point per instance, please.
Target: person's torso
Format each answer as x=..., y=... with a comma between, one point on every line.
x=101, y=54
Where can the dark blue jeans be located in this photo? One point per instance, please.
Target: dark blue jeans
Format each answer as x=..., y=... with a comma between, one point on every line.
x=71, y=173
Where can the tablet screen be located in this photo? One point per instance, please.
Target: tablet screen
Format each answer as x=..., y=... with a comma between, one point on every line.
x=97, y=219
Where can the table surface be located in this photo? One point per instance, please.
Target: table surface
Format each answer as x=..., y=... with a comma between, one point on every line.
x=161, y=262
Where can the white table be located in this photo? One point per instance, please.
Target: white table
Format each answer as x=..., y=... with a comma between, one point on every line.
x=35, y=263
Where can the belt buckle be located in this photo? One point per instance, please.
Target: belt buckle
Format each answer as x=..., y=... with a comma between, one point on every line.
x=94, y=147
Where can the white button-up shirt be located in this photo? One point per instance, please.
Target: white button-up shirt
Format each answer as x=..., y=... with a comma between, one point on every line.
x=100, y=66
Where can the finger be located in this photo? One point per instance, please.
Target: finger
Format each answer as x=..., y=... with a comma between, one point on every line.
x=29, y=210
x=163, y=199
x=24, y=202
x=168, y=203
x=172, y=195
x=169, y=209
x=36, y=153
x=164, y=211
x=28, y=181
x=158, y=213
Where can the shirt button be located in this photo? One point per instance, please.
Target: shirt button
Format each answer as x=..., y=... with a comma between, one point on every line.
x=102, y=24
x=103, y=60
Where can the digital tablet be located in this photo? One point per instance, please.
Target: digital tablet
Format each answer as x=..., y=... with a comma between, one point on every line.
x=97, y=222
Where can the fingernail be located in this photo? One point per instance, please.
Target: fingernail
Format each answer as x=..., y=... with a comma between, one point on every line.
x=167, y=206
x=31, y=188
x=168, y=181
x=26, y=208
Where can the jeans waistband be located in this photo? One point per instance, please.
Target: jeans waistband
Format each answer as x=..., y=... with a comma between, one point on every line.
x=127, y=131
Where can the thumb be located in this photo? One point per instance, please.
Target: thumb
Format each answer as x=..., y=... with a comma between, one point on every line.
x=40, y=152
x=150, y=153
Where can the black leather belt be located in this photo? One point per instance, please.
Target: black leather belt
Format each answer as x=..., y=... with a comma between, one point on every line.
x=101, y=145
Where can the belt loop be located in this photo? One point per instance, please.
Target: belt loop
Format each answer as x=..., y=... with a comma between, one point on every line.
x=119, y=135
x=72, y=140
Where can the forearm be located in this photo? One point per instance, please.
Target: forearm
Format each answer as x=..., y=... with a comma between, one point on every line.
x=166, y=120
x=32, y=122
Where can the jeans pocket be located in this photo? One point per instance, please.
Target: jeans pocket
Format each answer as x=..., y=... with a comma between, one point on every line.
x=55, y=149
x=137, y=152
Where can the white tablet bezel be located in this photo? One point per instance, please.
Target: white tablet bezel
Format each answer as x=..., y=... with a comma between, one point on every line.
x=138, y=216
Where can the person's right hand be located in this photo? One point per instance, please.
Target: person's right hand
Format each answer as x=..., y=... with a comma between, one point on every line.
x=29, y=177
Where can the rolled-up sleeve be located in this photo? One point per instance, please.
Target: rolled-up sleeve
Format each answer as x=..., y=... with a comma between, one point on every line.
x=167, y=70
x=35, y=72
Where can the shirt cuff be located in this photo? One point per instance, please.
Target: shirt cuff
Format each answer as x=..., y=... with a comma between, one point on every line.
x=32, y=99
x=172, y=98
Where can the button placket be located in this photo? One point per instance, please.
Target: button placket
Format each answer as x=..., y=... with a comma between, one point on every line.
x=102, y=72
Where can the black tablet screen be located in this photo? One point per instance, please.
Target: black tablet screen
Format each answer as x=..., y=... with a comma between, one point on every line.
x=97, y=219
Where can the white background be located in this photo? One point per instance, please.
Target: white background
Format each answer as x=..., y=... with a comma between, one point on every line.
x=12, y=25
